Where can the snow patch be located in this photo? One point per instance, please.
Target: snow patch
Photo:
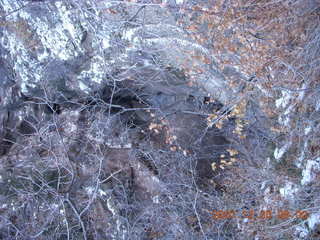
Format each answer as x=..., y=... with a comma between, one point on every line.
x=155, y=179
x=318, y=105
x=284, y=100
x=9, y=7
x=54, y=39
x=313, y=220
x=83, y=87
x=177, y=42
x=43, y=56
x=301, y=232
x=155, y=199
x=278, y=153
x=106, y=43
x=307, y=130
x=23, y=63
x=102, y=193
x=128, y=35
x=66, y=22
x=300, y=160
x=175, y=1
x=288, y=190
x=90, y=190
x=72, y=127
x=308, y=174
x=96, y=70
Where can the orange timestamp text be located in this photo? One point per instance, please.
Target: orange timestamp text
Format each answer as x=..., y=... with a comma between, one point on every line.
x=281, y=214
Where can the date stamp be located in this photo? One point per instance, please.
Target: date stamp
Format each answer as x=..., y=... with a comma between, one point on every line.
x=282, y=214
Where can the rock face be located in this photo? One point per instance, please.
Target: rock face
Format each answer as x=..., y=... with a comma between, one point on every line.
x=55, y=54
x=62, y=47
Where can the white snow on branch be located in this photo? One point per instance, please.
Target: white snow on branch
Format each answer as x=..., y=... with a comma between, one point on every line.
x=308, y=174
x=313, y=220
x=284, y=100
x=307, y=130
x=301, y=232
x=278, y=153
x=288, y=190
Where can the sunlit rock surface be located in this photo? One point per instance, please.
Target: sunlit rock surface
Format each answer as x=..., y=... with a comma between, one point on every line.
x=69, y=49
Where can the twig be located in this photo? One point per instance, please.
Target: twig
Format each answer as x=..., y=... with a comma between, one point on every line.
x=84, y=233
x=111, y=175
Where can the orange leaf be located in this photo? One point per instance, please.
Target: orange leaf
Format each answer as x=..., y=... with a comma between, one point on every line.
x=192, y=28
